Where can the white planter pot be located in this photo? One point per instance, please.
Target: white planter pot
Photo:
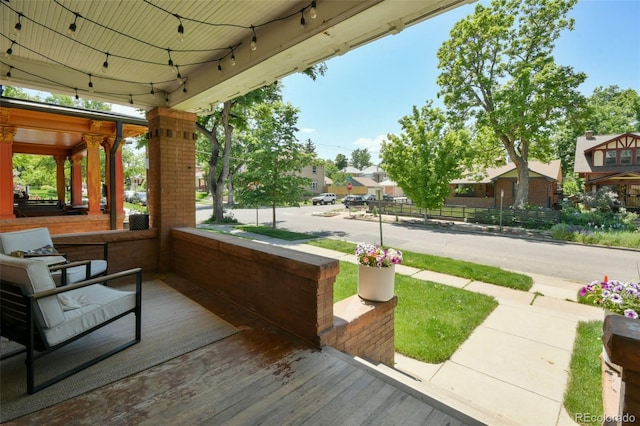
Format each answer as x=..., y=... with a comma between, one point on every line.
x=376, y=284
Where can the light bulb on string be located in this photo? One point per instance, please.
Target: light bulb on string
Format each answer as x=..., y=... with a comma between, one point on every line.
x=184, y=88
x=71, y=32
x=302, y=21
x=105, y=64
x=166, y=100
x=233, y=59
x=180, y=28
x=77, y=97
x=153, y=93
x=219, y=66
x=254, y=39
x=8, y=74
x=178, y=75
x=131, y=99
x=313, y=14
x=170, y=62
x=18, y=26
x=10, y=49
x=90, y=84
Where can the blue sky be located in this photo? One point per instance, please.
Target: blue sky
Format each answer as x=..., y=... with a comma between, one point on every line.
x=367, y=90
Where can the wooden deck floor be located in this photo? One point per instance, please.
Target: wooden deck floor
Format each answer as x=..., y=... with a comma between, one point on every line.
x=261, y=375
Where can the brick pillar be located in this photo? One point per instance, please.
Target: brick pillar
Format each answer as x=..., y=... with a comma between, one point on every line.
x=6, y=171
x=106, y=145
x=118, y=203
x=171, y=175
x=621, y=337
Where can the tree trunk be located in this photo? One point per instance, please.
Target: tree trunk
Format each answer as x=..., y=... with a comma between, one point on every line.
x=522, y=192
x=273, y=212
x=223, y=174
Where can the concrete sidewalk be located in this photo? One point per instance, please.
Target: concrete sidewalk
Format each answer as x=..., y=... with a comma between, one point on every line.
x=513, y=369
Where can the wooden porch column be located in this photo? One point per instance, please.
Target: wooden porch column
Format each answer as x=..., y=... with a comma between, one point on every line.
x=94, y=187
x=171, y=176
x=107, y=144
x=621, y=339
x=60, y=178
x=6, y=171
x=76, y=180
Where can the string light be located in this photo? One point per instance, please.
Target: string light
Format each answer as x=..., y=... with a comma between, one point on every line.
x=302, y=21
x=180, y=28
x=131, y=99
x=90, y=84
x=77, y=97
x=166, y=99
x=9, y=73
x=219, y=66
x=254, y=39
x=170, y=61
x=105, y=64
x=184, y=87
x=72, y=27
x=10, y=49
x=18, y=26
x=233, y=58
x=178, y=75
x=153, y=93
x=312, y=12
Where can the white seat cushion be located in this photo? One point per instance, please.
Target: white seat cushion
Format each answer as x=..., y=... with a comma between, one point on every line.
x=34, y=277
x=88, y=307
x=27, y=239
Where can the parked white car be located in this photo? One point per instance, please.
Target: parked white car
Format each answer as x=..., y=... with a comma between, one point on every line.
x=324, y=198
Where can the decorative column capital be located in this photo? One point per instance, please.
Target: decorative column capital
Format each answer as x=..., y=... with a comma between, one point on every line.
x=93, y=141
x=7, y=133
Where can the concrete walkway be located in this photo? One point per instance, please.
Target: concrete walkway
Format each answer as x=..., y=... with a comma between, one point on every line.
x=513, y=369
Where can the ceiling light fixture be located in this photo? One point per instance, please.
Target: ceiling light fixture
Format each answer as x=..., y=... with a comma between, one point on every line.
x=254, y=40
x=72, y=27
x=105, y=64
x=313, y=14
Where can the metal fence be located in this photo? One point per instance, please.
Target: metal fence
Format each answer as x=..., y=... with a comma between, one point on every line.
x=535, y=218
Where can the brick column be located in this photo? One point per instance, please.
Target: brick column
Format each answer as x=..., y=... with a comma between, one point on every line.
x=6, y=171
x=118, y=203
x=171, y=175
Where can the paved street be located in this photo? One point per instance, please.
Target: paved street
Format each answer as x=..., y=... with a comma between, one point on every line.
x=557, y=259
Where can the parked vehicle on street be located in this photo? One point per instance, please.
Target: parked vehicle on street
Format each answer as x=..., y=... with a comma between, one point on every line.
x=353, y=200
x=324, y=198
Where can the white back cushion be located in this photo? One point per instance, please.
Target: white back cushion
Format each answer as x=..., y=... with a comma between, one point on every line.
x=34, y=277
x=27, y=239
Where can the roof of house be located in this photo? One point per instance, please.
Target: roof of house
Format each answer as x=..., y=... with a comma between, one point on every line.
x=551, y=170
x=351, y=170
x=364, y=181
x=373, y=169
x=585, y=145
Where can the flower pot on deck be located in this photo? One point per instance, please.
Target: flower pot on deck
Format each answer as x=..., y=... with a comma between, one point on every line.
x=376, y=284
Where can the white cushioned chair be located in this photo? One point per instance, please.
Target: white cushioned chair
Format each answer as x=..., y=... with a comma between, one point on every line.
x=36, y=243
x=43, y=317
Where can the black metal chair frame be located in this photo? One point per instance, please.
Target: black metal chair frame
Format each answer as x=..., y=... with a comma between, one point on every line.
x=17, y=323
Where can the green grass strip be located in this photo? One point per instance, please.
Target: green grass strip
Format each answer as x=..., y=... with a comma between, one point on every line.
x=584, y=391
x=431, y=320
x=282, y=234
x=445, y=265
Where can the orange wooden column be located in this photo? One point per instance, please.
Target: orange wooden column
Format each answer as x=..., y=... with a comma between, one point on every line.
x=94, y=186
x=76, y=180
x=107, y=144
x=6, y=171
x=60, y=178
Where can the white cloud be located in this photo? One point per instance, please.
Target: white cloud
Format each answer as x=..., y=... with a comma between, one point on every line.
x=372, y=145
x=307, y=130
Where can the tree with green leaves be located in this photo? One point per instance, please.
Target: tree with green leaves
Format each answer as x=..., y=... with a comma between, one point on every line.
x=610, y=110
x=341, y=161
x=310, y=147
x=275, y=160
x=498, y=69
x=426, y=156
x=360, y=158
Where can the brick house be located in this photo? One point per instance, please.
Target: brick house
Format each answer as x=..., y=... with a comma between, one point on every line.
x=613, y=161
x=545, y=183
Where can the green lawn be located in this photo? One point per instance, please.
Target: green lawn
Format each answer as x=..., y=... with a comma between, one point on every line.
x=431, y=320
x=445, y=265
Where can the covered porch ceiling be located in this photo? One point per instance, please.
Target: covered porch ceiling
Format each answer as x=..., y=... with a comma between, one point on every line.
x=213, y=59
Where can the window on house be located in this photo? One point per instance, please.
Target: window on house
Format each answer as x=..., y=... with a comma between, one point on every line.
x=314, y=169
x=314, y=184
x=610, y=158
x=625, y=156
